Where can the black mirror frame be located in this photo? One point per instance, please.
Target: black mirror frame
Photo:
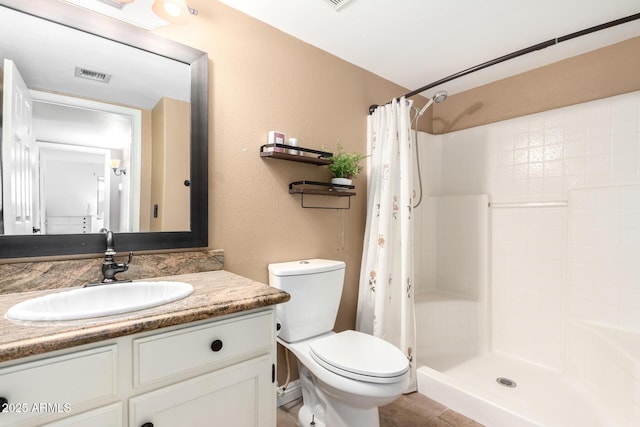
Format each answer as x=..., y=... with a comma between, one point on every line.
x=197, y=237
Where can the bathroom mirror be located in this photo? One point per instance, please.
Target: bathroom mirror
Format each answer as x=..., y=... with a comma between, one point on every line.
x=181, y=73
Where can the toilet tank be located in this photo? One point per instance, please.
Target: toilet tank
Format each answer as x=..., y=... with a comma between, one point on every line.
x=315, y=286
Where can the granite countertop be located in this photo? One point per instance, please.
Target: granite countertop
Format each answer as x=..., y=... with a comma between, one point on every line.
x=216, y=293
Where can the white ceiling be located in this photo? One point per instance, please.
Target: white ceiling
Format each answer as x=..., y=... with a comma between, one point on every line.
x=416, y=42
x=47, y=53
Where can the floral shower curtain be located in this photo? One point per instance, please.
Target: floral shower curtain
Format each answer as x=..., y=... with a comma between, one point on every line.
x=385, y=299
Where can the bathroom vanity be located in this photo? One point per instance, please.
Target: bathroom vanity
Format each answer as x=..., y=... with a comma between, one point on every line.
x=209, y=358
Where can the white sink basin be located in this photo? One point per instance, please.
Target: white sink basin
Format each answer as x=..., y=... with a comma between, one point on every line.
x=96, y=301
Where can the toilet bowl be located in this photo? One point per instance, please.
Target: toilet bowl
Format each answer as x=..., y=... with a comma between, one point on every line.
x=344, y=376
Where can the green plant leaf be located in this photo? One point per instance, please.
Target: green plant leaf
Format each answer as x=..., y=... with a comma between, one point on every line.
x=345, y=165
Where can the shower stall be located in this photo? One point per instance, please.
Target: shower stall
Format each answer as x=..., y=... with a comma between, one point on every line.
x=527, y=278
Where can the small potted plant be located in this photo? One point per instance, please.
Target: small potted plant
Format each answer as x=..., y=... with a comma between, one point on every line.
x=344, y=166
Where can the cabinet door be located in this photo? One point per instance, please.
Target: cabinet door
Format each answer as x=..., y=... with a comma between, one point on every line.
x=240, y=395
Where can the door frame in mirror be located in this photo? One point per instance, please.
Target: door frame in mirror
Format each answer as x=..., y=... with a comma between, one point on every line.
x=71, y=244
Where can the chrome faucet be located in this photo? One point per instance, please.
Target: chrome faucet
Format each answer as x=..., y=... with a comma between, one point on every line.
x=109, y=267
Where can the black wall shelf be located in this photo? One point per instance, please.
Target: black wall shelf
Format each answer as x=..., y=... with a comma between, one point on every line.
x=309, y=188
x=315, y=157
x=315, y=188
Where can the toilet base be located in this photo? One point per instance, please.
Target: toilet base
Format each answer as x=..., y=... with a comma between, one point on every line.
x=325, y=410
x=306, y=418
x=364, y=417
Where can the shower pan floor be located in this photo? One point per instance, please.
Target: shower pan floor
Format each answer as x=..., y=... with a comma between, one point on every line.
x=541, y=397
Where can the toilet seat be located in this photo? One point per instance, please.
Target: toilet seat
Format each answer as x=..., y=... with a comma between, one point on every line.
x=360, y=356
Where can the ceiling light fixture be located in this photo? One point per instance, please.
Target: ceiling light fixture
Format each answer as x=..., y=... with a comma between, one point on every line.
x=115, y=165
x=174, y=11
x=134, y=12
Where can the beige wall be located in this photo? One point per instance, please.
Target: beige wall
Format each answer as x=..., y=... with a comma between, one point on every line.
x=170, y=166
x=599, y=74
x=260, y=80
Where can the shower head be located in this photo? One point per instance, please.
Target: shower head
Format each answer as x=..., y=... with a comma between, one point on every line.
x=438, y=97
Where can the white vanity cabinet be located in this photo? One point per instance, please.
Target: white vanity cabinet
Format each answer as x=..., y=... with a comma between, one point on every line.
x=239, y=392
x=215, y=372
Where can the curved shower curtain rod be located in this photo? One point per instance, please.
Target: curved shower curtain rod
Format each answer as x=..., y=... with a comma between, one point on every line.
x=533, y=48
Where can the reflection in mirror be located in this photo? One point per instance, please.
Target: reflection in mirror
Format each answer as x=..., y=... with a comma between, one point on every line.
x=76, y=143
x=103, y=126
x=137, y=105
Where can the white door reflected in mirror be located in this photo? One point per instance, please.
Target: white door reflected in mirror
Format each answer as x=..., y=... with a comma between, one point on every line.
x=18, y=149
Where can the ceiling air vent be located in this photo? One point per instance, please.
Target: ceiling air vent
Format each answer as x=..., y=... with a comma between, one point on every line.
x=92, y=75
x=338, y=3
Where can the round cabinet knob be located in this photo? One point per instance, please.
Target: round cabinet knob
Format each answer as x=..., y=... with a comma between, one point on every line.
x=216, y=345
x=147, y=425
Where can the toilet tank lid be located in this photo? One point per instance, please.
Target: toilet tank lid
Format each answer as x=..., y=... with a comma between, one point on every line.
x=307, y=266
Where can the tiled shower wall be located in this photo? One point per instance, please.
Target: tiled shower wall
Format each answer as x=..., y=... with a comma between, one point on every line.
x=540, y=157
x=544, y=155
x=604, y=296
x=528, y=297
x=604, y=267
x=425, y=218
x=452, y=314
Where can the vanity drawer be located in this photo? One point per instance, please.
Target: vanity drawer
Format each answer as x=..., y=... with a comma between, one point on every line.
x=214, y=344
x=107, y=416
x=57, y=385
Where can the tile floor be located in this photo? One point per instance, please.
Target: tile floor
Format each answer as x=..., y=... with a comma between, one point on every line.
x=411, y=410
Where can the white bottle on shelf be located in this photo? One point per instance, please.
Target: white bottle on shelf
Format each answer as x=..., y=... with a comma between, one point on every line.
x=294, y=143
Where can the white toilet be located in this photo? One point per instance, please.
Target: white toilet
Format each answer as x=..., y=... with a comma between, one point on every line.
x=344, y=376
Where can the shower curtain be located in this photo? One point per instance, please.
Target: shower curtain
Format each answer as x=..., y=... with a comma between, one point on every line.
x=385, y=298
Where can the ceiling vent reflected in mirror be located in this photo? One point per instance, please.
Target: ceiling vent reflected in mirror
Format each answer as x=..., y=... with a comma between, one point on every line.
x=92, y=75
